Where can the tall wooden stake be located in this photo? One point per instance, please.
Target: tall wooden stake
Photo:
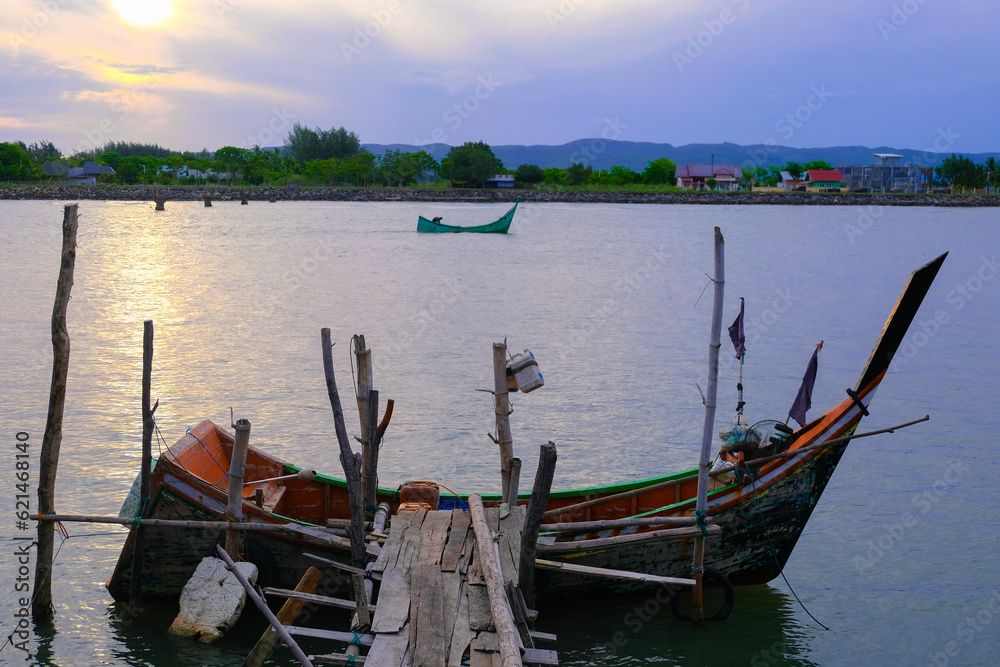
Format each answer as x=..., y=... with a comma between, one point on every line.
x=147, y=459
x=41, y=608
x=237, y=465
x=701, y=505
x=502, y=404
x=352, y=467
x=533, y=521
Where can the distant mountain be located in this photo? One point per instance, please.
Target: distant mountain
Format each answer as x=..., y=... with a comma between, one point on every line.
x=604, y=154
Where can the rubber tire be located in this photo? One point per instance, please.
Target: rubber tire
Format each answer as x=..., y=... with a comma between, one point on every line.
x=727, y=607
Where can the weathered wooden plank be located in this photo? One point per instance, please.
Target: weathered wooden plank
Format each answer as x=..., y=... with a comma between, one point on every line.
x=428, y=642
x=434, y=533
x=394, y=596
x=611, y=574
x=486, y=641
x=390, y=649
x=460, y=523
x=543, y=636
x=462, y=634
x=337, y=659
x=391, y=547
x=480, y=617
x=287, y=614
x=311, y=597
x=451, y=589
x=540, y=656
x=483, y=659
x=510, y=529
x=335, y=635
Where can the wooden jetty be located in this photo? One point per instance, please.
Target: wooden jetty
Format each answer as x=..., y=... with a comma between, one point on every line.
x=448, y=596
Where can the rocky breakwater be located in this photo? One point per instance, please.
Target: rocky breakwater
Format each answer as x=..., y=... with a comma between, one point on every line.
x=229, y=194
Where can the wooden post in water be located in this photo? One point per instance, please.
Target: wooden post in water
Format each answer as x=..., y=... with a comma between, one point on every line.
x=515, y=481
x=237, y=464
x=366, y=382
x=533, y=521
x=41, y=606
x=348, y=459
x=208, y=200
x=502, y=406
x=701, y=504
x=160, y=201
x=147, y=460
x=243, y=197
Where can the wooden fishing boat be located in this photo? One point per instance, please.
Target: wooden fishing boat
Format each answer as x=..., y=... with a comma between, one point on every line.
x=637, y=526
x=499, y=226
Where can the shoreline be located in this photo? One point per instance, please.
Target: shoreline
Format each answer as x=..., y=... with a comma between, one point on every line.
x=256, y=194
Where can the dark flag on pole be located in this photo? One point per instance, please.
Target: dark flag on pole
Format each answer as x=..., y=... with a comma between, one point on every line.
x=803, y=401
x=737, y=335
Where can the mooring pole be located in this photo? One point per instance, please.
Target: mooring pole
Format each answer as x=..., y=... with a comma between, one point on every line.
x=501, y=401
x=147, y=460
x=41, y=607
x=237, y=465
x=701, y=505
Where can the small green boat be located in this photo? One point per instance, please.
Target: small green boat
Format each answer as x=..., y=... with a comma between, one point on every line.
x=496, y=227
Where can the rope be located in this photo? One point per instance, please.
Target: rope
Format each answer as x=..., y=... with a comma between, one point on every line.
x=700, y=521
x=781, y=570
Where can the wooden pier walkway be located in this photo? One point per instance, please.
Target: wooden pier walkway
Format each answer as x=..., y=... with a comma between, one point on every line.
x=433, y=607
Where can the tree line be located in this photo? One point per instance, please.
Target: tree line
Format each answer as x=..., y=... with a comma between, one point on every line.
x=335, y=157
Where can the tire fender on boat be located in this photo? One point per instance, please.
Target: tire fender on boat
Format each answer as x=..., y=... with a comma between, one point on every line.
x=711, y=574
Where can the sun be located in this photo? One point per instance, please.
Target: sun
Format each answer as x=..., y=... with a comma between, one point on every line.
x=144, y=13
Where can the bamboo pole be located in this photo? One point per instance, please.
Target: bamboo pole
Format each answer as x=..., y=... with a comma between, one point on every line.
x=262, y=606
x=41, y=607
x=348, y=459
x=147, y=460
x=237, y=464
x=502, y=407
x=533, y=520
x=612, y=524
x=510, y=651
x=286, y=615
x=701, y=504
x=369, y=466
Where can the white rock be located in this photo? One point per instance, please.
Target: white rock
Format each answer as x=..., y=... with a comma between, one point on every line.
x=211, y=601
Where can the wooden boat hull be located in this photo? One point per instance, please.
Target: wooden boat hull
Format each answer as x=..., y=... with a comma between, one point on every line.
x=760, y=519
x=499, y=226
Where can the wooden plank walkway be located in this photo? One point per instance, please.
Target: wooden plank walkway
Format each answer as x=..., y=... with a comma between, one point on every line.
x=433, y=608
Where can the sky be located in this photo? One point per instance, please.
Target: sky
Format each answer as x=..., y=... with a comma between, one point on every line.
x=193, y=74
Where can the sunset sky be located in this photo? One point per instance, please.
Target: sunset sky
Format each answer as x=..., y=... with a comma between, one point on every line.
x=189, y=74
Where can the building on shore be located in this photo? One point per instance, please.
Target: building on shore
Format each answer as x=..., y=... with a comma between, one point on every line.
x=696, y=176
x=887, y=175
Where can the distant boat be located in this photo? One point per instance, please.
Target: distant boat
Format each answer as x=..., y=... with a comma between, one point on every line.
x=496, y=227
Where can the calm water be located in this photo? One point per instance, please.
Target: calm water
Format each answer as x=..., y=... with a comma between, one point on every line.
x=899, y=559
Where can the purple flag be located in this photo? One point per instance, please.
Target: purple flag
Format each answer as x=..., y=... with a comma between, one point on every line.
x=803, y=401
x=737, y=335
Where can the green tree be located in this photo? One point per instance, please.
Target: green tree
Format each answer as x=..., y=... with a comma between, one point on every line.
x=129, y=169
x=620, y=175
x=795, y=169
x=960, y=172
x=16, y=164
x=992, y=171
x=817, y=164
x=711, y=183
x=472, y=163
x=111, y=158
x=577, y=174
x=42, y=152
x=660, y=172
x=306, y=144
x=529, y=174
